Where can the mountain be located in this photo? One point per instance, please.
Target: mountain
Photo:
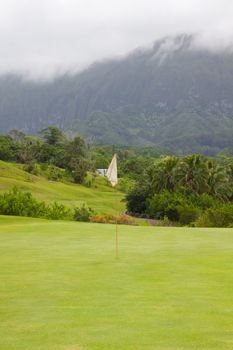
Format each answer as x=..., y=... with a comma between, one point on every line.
x=172, y=95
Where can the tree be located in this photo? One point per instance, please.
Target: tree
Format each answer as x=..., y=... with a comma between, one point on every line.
x=16, y=135
x=7, y=149
x=192, y=173
x=29, y=149
x=162, y=174
x=52, y=135
x=218, y=181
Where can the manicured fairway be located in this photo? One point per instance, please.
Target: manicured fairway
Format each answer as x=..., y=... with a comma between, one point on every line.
x=62, y=289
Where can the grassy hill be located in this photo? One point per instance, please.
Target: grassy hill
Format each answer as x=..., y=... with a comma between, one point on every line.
x=62, y=289
x=103, y=199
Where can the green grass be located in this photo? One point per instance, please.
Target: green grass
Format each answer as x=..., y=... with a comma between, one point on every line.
x=102, y=199
x=62, y=289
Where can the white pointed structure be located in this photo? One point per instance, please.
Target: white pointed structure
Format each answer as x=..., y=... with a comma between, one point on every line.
x=112, y=171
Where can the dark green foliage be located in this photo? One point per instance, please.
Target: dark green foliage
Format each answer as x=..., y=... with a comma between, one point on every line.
x=57, y=211
x=55, y=150
x=134, y=168
x=136, y=200
x=162, y=175
x=221, y=216
x=185, y=189
x=126, y=184
x=80, y=168
x=31, y=168
x=7, y=151
x=19, y=203
x=187, y=214
x=165, y=204
x=83, y=213
x=51, y=135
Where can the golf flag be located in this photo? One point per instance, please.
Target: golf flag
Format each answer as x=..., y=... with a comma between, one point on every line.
x=112, y=171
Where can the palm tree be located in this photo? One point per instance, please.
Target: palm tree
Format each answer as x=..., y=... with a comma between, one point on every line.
x=192, y=173
x=162, y=174
x=218, y=181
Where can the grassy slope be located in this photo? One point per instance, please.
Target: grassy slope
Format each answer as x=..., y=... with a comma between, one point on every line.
x=103, y=199
x=62, y=289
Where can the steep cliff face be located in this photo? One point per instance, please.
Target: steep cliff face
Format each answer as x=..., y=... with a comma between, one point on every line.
x=170, y=95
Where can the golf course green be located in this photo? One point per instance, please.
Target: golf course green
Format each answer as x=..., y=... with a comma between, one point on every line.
x=62, y=288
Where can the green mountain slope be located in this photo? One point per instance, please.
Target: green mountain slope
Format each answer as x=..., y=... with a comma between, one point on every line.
x=170, y=95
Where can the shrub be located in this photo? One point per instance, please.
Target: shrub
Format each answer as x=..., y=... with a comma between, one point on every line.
x=125, y=184
x=204, y=201
x=187, y=214
x=16, y=202
x=56, y=211
x=19, y=203
x=31, y=168
x=112, y=219
x=124, y=219
x=165, y=221
x=136, y=200
x=89, y=180
x=221, y=216
x=166, y=204
x=83, y=213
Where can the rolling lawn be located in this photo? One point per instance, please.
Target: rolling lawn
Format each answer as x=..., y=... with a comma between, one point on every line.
x=62, y=288
x=103, y=199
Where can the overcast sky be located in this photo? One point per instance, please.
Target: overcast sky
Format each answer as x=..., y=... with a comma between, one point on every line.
x=47, y=36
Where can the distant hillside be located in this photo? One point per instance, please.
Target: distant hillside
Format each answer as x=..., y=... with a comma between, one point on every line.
x=102, y=199
x=169, y=96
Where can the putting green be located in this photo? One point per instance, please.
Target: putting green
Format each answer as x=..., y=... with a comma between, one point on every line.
x=62, y=289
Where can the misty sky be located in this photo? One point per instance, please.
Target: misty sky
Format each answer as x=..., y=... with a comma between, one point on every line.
x=44, y=37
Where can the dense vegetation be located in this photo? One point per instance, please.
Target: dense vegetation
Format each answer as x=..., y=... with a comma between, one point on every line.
x=188, y=190
x=168, y=96
x=58, y=156
x=53, y=149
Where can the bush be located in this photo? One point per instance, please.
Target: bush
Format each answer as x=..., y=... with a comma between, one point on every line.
x=19, y=203
x=187, y=214
x=165, y=221
x=203, y=201
x=221, y=216
x=89, y=180
x=112, y=219
x=125, y=184
x=166, y=204
x=56, y=211
x=31, y=168
x=83, y=213
x=136, y=200
x=16, y=202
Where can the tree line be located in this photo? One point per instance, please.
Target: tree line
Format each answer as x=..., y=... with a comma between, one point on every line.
x=188, y=190
x=53, y=147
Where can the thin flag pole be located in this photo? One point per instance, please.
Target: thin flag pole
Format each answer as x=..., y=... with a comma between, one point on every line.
x=112, y=177
x=116, y=241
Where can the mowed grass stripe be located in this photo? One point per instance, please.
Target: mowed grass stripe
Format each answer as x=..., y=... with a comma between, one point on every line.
x=61, y=287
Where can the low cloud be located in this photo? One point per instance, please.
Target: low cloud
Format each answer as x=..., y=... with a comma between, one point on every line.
x=47, y=37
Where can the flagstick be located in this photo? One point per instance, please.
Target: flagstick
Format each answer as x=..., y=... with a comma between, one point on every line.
x=112, y=177
x=116, y=241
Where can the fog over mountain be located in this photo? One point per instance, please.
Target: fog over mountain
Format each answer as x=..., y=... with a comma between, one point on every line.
x=43, y=38
x=174, y=95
